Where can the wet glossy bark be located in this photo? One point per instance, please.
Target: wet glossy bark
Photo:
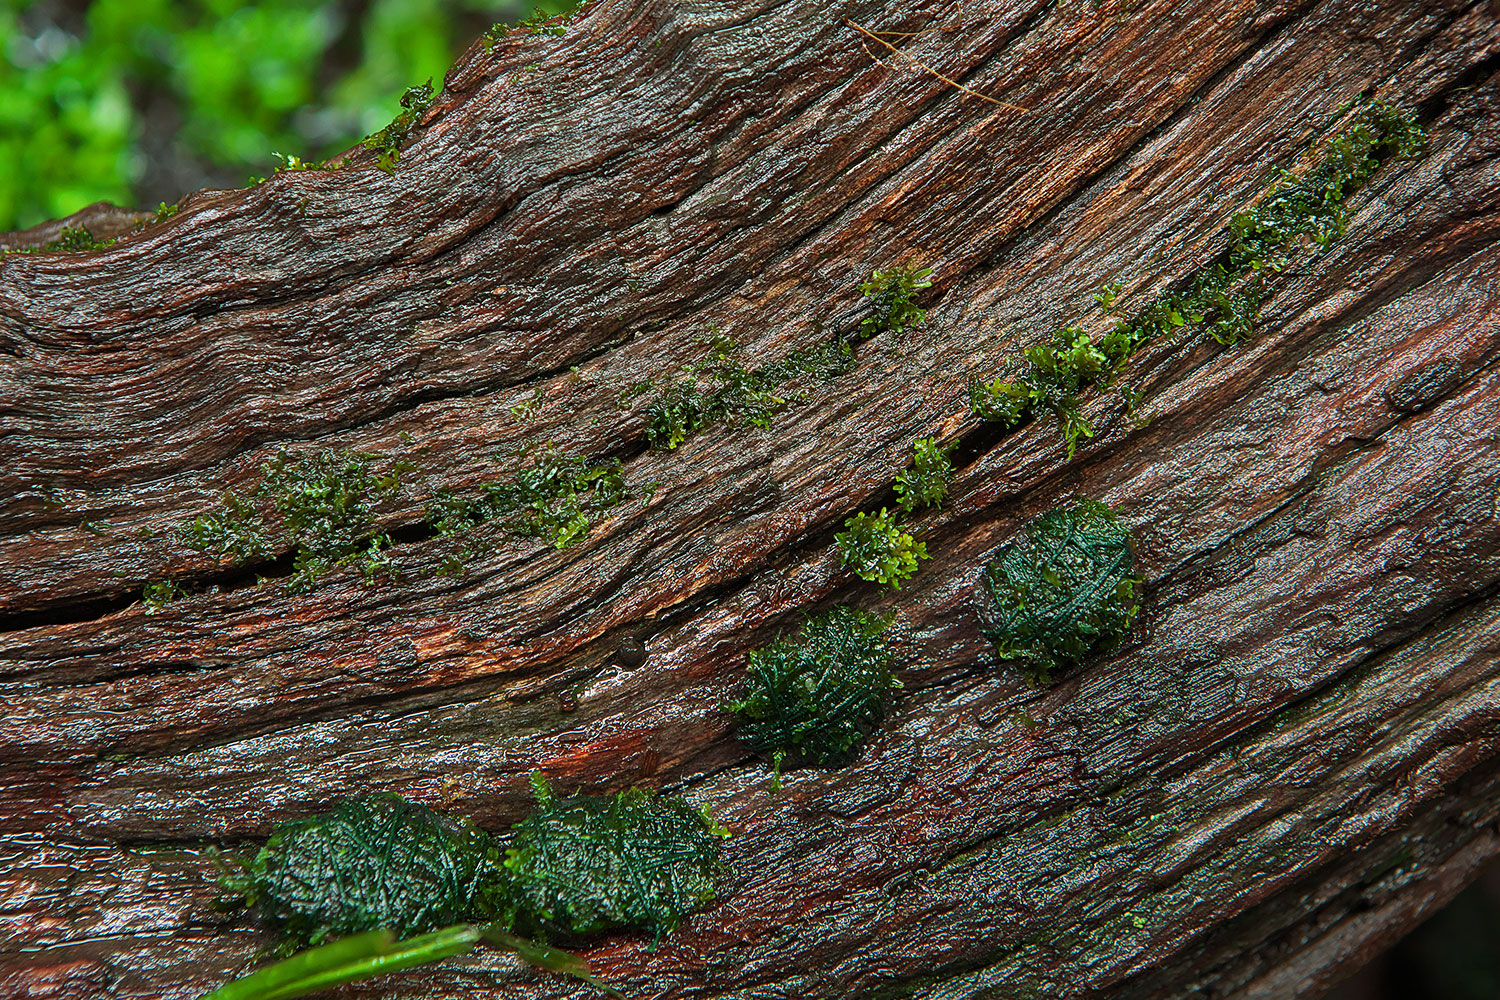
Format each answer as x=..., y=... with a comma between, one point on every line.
x=1292, y=760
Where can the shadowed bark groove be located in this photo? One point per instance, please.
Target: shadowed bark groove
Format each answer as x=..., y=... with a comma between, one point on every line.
x=1293, y=757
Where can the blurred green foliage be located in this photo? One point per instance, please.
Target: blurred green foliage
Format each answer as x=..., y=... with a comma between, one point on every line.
x=115, y=100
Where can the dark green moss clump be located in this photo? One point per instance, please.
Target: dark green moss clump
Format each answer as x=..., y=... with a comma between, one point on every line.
x=1312, y=206
x=577, y=865
x=892, y=295
x=326, y=502
x=817, y=696
x=1064, y=588
x=589, y=863
x=875, y=547
x=320, y=505
x=374, y=862
x=926, y=482
x=1221, y=299
x=557, y=497
x=720, y=389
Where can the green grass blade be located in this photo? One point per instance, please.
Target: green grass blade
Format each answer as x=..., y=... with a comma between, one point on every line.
x=439, y=944
x=302, y=965
x=345, y=961
x=376, y=953
x=545, y=957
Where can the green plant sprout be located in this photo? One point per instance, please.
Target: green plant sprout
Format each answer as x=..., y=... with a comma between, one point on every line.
x=1108, y=295
x=925, y=484
x=1222, y=298
x=321, y=505
x=891, y=295
x=815, y=697
x=874, y=548
x=1064, y=588
x=556, y=498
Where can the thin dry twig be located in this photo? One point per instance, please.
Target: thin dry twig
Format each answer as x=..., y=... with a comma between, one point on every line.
x=952, y=83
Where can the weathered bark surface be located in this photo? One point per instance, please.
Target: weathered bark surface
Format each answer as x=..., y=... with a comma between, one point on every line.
x=1293, y=759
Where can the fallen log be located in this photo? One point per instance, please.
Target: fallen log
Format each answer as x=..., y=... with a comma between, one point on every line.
x=1290, y=760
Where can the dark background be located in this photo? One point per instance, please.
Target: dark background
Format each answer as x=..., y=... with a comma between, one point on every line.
x=1455, y=955
x=139, y=102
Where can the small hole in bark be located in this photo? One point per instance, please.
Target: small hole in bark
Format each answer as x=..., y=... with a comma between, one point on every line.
x=631, y=653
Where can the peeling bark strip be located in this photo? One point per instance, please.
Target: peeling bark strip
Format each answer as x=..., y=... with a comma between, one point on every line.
x=1291, y=759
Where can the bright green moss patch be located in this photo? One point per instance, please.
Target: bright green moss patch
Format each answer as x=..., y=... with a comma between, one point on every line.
x=1220, y=300
x=816, y=696
x=322, y=506
x=236, y=529
x=1065, y=587
x=874, y=547
x=720, y=389
x=716, y=389
x=590, y=863
x=159, y=594
x=377, y=862
x=74, y=239
x=387, y=141
x=892, y=297
x=1050, y=378
x=79, y=239
x=926, y=482
x=557, y=497
x=552, y=23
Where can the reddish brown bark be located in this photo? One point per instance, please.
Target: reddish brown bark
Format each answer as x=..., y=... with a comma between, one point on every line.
x=1292, y=759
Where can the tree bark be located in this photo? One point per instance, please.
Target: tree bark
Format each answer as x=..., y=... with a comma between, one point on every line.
x=1293, y=758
